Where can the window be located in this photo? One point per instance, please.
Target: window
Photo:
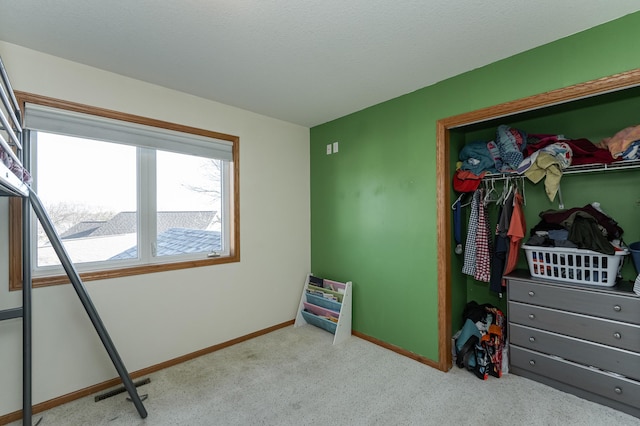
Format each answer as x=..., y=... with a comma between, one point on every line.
x=126, y=194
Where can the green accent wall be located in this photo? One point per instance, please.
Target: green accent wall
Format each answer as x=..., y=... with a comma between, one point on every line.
x=373, y=203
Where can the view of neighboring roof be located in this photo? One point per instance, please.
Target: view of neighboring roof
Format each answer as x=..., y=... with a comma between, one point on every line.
x=83, y=229
x=180, y=241
x=179, y=232
x=125, y=223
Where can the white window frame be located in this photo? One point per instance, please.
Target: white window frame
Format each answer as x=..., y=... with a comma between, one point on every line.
x=52, y=115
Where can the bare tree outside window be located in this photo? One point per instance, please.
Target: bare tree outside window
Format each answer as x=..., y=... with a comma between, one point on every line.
x=65, y=215
x=212, y=172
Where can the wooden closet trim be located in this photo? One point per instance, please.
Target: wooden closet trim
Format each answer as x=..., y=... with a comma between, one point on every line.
x=588, y=89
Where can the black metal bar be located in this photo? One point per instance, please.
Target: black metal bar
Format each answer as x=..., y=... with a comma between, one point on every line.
x=10, y=313
x=26, y=315
x=11, y=108
x=120, y=390
x=11, y=104
x=80, y=289
x=5, y=78
x=12, y=134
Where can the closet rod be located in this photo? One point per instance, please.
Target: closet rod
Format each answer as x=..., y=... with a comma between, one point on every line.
x=505, y=176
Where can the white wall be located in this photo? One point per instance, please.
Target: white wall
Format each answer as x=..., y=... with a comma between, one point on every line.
x=156, y=317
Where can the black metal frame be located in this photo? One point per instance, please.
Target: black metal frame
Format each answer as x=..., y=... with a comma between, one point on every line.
x=80, y=289
x=30, y=200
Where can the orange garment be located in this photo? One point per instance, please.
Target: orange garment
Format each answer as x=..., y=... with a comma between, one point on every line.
x=516, y=233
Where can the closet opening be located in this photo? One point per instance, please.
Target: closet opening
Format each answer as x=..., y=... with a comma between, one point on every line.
x=561, y=106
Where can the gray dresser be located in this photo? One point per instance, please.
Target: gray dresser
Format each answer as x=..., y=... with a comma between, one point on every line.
x=581, y=339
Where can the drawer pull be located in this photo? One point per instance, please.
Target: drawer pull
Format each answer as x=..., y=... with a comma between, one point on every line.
x=617, y=335
x=533, y=362
x=532, y=339
x=617, y=308
x=532, y=293
x=618, y=390
x=531, y=316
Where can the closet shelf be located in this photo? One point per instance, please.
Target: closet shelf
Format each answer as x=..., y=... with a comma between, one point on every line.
x=592, y=168
x=583, y=168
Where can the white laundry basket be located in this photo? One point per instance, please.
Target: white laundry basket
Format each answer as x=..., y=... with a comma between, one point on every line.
x=574, y=265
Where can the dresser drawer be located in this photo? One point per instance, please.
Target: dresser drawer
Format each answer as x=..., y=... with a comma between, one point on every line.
x=623, y=390
x=608, y=332
x=594, y=302
x=605, y=357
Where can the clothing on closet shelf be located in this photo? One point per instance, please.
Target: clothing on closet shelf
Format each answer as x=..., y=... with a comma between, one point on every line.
x=548, y=163
x=466, y=181
x=584, y=151
x=511, y=142
x=475, y=158
x=619, y=144
x=514, y=151
x=632, y=152
x=494, y=151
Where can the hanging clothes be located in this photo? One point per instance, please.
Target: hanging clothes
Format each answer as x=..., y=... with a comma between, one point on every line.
x=457, y=225
x=483, y=246
x=516, y=233
x=469, y=266
x=501, y=246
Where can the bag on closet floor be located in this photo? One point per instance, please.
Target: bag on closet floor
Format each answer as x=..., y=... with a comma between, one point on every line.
x=480, y=342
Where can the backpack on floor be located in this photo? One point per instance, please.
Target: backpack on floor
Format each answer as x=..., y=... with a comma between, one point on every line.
x=480, y=342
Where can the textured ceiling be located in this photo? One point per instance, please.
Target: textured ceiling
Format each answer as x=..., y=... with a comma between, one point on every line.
x=305, y=61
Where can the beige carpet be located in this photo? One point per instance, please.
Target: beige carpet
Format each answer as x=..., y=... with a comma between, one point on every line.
x=294, y=376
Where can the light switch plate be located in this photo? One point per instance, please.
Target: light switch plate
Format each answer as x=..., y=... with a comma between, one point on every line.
x=335, y=147
x=329, y=149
